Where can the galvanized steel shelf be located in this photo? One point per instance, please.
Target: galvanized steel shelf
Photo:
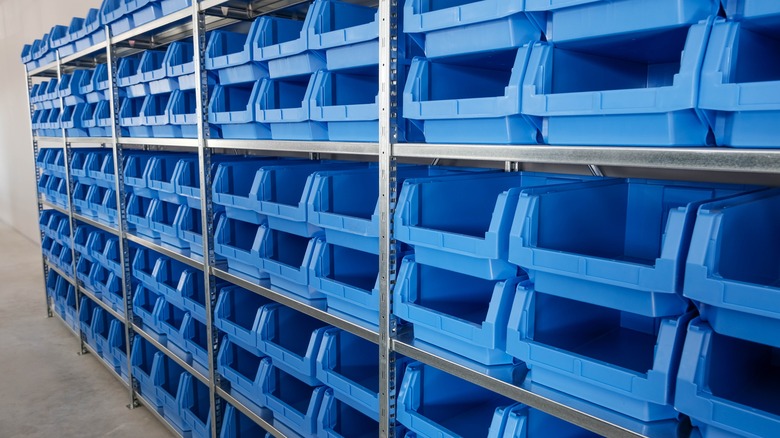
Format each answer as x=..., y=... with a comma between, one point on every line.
x=165, y=350
x=172, y=253
x=50, y=206
x=99, y=225
x=93, y=296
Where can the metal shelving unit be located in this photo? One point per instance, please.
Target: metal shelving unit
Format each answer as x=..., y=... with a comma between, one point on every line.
x=211, y=14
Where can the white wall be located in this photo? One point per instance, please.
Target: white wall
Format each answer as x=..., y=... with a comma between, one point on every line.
x=22, y=21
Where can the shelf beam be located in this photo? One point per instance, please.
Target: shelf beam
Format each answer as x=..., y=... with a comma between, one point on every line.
x=99, y=225
x=322, y=147
x=93, y=296
x=176, y=255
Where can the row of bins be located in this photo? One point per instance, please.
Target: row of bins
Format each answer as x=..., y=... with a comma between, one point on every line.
x=62, y=298
x=52, y=185
x=55, y=243
x=670, y=73
x=94, y=192
x=105, y=334
x=85, y=32
x=98, y=268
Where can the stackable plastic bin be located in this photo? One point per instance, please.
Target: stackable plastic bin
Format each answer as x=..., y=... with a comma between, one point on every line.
x=106, y=209
x=163, y=217
x=179, y=64
x=284, y=105
x=488, y=110
x=292, y=340
x=434, y=403
x=65, y=42
x=97, y=87
x=167, y=377
x=116, y=354
x=614, y=243
x=728, y=386
x=53, y=126
x=237, y=314
x=349, y=279
x=84, y=269
x=295, y=404
x=468, y=27
x=44, y=155
x=237, y=425
x=229, y=54
x=182, y=114
x=100, y=125
x=143, y=264
x=162, y=175
x=71, y=316
x=137, y=167
x=620, y=360
x=472, y=326
x=51, y=92
x=348, y=33
x=740, y=86
x=347, y=365
x=732, y=268
x=113, y=13
x=146, y=11
x=146, y=303
x=169, y=321
x=189, y=230
x=57, y=164
x=27, y=55
x=85, y=197
x=131, y=118
x=138, y=215
x=286, y=258
x=46, y=54
x=242, y=369
x=572, y=22
x=238, y=242
x=193, y=295
x=73, y=120
x=109, y=287
x=233, y=189
x=462, y=222
x=81, y=163
x=336, y=419
x=100, y=328
x=160, y=274
x=143, y=358
x=69, y=87
x=91, y=32
x=347, y=103
x=193, y=398
x=283, y=44
x=88, y=313
x=103, y=171
x=232, y=112
x=129, y=78
x=80, y=239
x=522, y=421
x=611, y=97
x=196, y=342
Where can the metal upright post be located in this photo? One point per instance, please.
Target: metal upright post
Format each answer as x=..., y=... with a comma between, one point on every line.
x=119, y=188
x=388, y=135
x=206, y=208
x=35, y=150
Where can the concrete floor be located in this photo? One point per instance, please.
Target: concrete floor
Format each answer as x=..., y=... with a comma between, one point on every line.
x=46, y=388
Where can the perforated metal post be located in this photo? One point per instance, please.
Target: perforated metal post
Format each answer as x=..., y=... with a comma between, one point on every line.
x=388, y=135
x=206, y=209
x=119, y=188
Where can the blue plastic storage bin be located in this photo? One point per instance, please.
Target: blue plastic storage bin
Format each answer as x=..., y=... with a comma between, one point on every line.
x=71, y=316
x=155, y=115
x=108, y=256
x=472, y=326
x=84, y=267
x=161, y=274
x=69, y=87
x=571, y=22
x=614, y=243
x=138, y=217
x=229, y=54
x=349, y=280
x=106, y=209
x=437, y=404
x=295, y=404
x=196, y=343
x=347, y=103
x=284, y=105
x=143, y=358
x=237, y=314
x=347, y=364
x=162, y=218
x=145, y=306
x=143, y=264
x=51, y=92
x=522, y=421
x=740, y=86
x=101, y=327
x=136, y=168
x=179, y=64
x=169, y=320
x=620, y=360
x=80, y=239
x=91, y=32
x=116, y=354
x=109, y=286
x=349, y=34
x=128, y=75
x=88, y=312
x=189, y=230
x=113, y=13
x=194, y=404
x=467, y=27
x=102, y=126
x=44, y=53
x=488, y=110
x=283, y=44
x=232, y=112
x=238, y=243
x=732, y=271
x=145, y=11
x=66, y=41
x=728, y=386
x=182, y=115
x=237, y=425
x=53, y=127
x=27, y=55
x=103, y=174
x=167, y=377
x=292, y=340
x=234, y=189
x=612, y=96
x=241, y=369
x=336, y=419
x=286, y=258
x=81, y=163
x=462, y=222
x=131, y=118
x=73, y=120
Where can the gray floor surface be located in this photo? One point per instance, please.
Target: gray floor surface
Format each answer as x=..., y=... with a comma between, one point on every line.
x=46, y=388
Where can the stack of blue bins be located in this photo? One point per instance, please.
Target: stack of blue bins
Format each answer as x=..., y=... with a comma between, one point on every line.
x=619, y=72
x=71, y=90
x=729, y=373
x=159, y=93
x=96, y=115
x=52, y=184
x=164, y=202
x=603, y=317
x=433, y=403
x=740, y=83
x=63, y=297
x=168, y=389
x=105, y=334
x=123, y=15
x=47, y=109
x=170, y=304
x=467, y=86
x=266, y=232
x=98, y=268
x=457, y=287
x=94, y=192
x=56, y=239
x=313, y=379
x=81, y=34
